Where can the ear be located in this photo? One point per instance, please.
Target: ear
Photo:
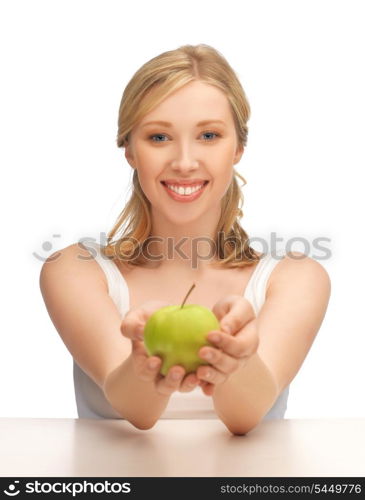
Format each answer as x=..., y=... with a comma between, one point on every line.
x=239, y=153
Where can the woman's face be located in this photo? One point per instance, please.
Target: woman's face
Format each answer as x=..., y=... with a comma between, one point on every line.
x=185, y=150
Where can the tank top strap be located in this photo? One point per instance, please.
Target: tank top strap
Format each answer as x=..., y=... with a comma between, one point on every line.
x=255, y=291
x=117, y=286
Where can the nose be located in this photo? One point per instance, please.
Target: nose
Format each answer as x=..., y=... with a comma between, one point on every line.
x=184, y=159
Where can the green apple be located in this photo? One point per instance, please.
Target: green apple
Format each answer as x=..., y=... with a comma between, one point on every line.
x=176, y=334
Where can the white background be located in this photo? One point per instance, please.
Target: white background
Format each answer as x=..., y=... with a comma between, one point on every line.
x=65, y=65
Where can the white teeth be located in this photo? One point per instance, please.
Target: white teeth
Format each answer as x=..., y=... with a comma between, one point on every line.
x=184, y=191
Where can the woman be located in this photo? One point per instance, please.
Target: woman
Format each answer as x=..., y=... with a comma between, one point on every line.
x=183, y=123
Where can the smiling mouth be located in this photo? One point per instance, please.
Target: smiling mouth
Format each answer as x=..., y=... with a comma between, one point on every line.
x=183, y=185
x=184, y=196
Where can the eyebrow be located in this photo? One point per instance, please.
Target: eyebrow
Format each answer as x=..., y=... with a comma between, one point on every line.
x=168, y=124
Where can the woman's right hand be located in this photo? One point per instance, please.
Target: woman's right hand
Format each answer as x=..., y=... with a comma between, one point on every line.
x=147, y=368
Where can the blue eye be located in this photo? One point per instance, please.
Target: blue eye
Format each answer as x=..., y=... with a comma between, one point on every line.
x=157, y=135
x=163, y=135
x=211, y=133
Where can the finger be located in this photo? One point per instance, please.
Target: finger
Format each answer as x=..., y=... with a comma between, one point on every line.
x=138, y=348
x=210, y=374
x=148, y=308
x=244, y=343
x=207, y=388
x=149, y=369
x=131, y=327
x=134, y=321
x=233, y=312
x=249, y=337
x=189, y=383
x=140, y=355
x=167, y=385
x=219, y=360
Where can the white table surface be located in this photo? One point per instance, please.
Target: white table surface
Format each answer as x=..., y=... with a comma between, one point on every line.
x=114, y=448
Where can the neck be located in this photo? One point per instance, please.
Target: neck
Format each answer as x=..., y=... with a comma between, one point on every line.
x=189, y=247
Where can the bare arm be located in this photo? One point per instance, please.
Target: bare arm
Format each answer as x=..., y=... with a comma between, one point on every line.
x=287, y=324
x=246, y=396
x=75, y=292
x=136, y=400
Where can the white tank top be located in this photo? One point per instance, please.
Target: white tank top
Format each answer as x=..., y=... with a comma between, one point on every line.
x=90, y=399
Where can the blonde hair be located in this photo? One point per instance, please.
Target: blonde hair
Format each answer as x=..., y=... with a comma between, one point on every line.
x=149, y=86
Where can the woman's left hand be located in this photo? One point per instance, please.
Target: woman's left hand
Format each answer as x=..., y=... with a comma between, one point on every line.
x=236, y=342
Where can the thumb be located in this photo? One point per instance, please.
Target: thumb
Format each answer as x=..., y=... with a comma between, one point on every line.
x=222, y=311
x=148, y=308
x=233, y=311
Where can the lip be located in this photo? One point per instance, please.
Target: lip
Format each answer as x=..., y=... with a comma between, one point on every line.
x=184, y=198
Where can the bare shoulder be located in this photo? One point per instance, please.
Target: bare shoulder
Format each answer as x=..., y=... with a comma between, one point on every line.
x=297, y=268
x=74, y=258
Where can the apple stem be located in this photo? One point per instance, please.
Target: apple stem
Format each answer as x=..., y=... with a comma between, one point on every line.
x=187, y=295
